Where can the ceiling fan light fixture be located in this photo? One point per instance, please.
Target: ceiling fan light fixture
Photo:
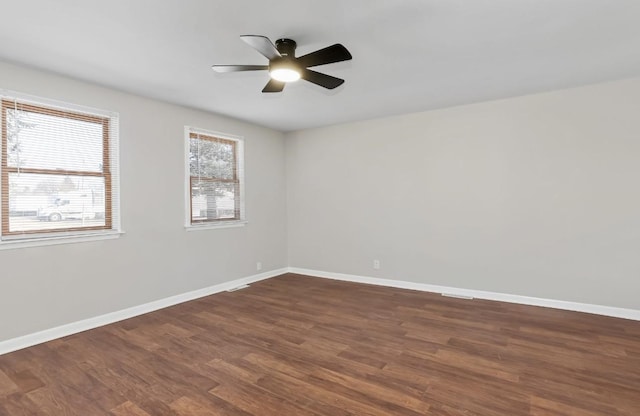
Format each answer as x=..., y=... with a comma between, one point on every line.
x=285, y=74
x=284, y=70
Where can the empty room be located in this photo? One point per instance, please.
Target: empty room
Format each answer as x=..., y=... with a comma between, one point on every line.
x=337, y=208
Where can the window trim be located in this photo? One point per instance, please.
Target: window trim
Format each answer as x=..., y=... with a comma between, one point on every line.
x=238, y=142
x=37, y=241
x=110, y=173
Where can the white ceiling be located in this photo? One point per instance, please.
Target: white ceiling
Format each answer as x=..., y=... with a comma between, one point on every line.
x=409, y=55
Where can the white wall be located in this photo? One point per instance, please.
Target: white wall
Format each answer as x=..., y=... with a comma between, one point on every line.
x=44, y=287
x=536, y=196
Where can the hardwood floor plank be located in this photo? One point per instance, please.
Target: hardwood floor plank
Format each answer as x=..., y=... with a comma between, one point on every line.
x=128, y=409
x=26, y=381
x=7, y=385
x=21, y=405
x=376, y=392
x=541, y=406
x=51, y=402
x=257, y=401
x=197, y=405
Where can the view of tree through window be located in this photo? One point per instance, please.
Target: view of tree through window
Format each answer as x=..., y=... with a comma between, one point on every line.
x=55, y=170
x=214, y=179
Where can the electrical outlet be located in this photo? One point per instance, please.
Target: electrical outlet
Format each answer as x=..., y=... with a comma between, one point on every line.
x=376, y=264
x=259, y=266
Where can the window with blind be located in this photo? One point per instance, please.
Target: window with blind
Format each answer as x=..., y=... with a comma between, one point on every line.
x=215, y=178
x=57, y=171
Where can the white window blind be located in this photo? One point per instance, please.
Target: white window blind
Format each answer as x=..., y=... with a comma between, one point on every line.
x=215, y=178
x=58, y=174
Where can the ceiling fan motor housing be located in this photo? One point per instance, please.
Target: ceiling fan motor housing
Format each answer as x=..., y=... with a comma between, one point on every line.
x=286, y=47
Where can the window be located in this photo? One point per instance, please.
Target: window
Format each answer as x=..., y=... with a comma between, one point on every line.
x=215, y=179
x=57, y=172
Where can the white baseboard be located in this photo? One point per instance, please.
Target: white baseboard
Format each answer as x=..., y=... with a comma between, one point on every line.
x=478, y=294
x=86, y=324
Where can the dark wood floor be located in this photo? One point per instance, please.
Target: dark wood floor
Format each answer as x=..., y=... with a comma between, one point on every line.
x=296, y=345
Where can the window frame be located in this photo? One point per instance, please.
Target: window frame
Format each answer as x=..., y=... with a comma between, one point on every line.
x=110, y=126
x=238, y=170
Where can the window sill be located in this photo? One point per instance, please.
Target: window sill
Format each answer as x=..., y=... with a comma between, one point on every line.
x=66, y=239
x=229, y=224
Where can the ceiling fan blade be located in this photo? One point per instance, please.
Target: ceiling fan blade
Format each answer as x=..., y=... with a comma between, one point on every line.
x=328, y=55
x=262, y=44
x=323, y=80
x=238, y=68
x=273, y=86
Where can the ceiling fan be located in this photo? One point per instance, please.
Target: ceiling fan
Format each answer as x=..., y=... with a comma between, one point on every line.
x=285, y=67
